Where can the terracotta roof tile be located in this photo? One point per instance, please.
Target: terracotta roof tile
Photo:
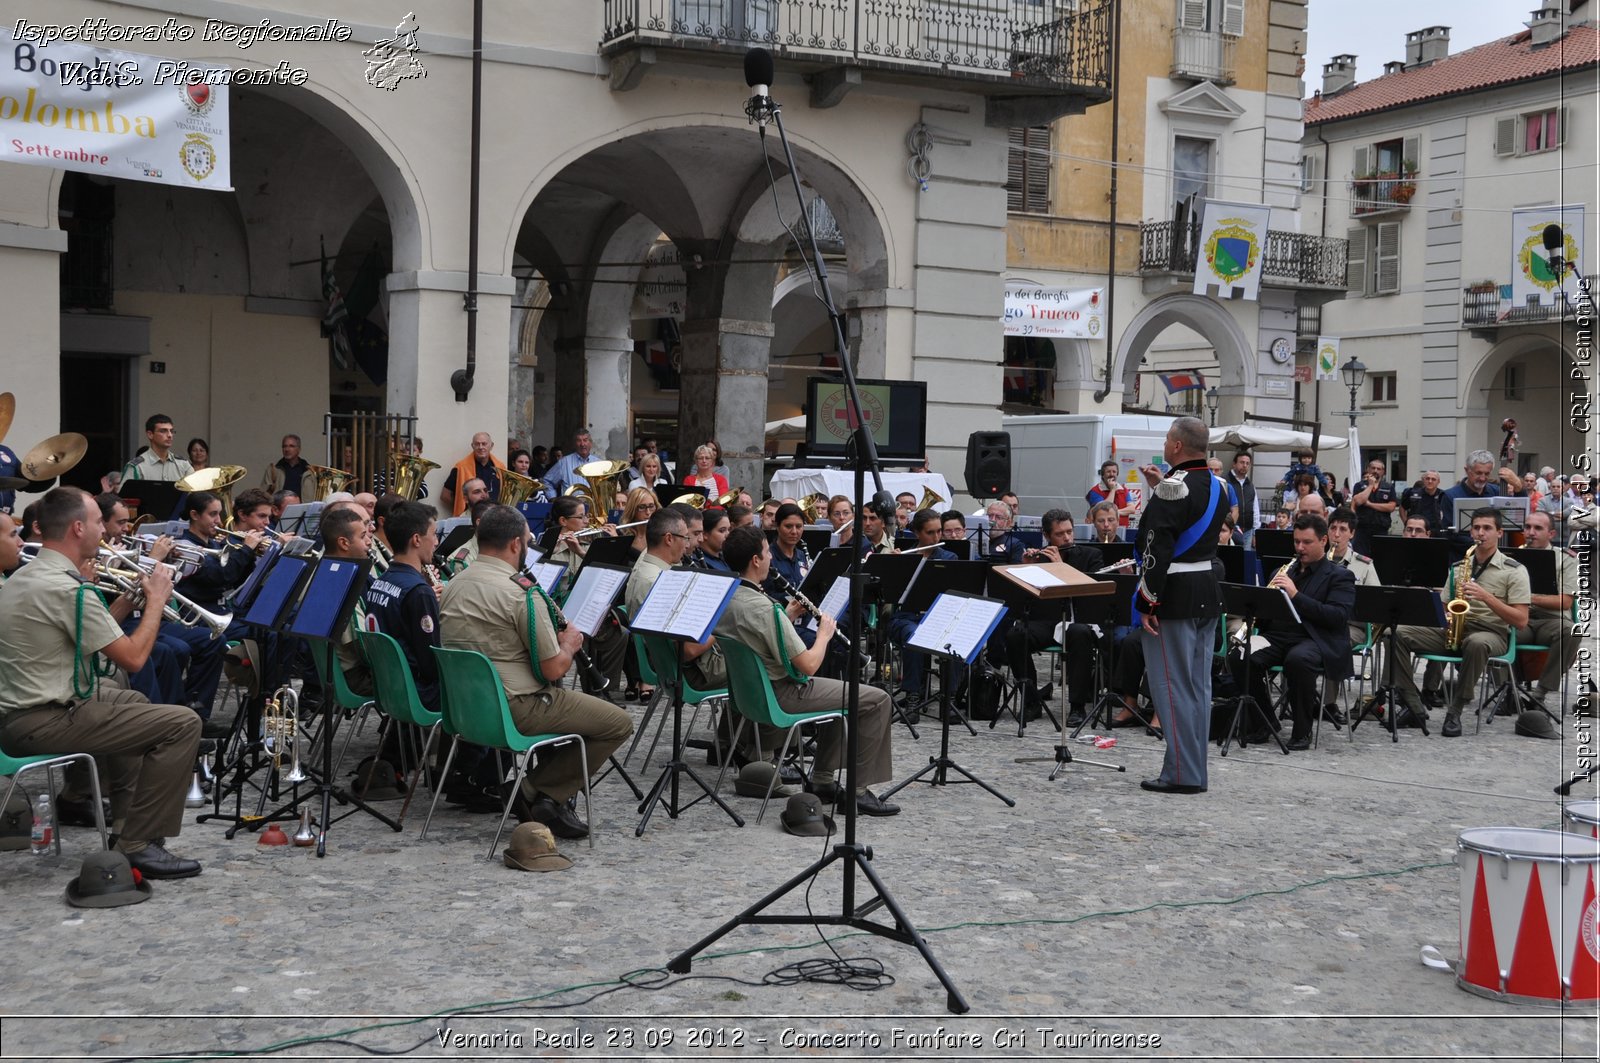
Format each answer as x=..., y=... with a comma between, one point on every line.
x=1509, y=59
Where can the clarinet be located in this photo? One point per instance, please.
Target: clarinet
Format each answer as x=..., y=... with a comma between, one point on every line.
x=793, y=592
x=592, y=678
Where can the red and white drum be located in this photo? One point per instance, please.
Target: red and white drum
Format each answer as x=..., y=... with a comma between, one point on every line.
x=1582, y=817
x=1530, y=923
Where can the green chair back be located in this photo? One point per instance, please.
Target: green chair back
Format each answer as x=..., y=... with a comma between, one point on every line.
x=662, y=656
x=391, y=674
x=325, y=656
x=474, y=702
x=751, y=689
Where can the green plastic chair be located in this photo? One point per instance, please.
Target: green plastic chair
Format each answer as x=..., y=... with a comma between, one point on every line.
x=15, y=766
x=397, y=699
x=1504, y=660
x=750, y=690
x=475, y=709
x=324, y=656
x=661, y=653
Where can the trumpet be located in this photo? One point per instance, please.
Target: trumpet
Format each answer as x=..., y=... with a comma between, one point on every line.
x=179, y=610
x=280, y=723
x=785, y=587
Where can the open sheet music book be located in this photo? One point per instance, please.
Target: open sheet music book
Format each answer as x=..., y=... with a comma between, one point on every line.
x=685, y=604
x=957, y=625
x=592, y=595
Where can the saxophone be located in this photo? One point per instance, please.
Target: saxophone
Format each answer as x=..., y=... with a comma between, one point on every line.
x=1456, y=609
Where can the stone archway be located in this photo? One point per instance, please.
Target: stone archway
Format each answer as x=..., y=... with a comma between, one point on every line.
x=1206, y=317
x=1538, y=394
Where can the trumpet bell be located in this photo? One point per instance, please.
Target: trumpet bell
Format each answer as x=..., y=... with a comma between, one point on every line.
x=930, y=498
x=406, y=473
x=516, y=488
x=692, y=499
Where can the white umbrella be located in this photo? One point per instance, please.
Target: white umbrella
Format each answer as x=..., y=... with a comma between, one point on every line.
x=1356, y=471
x=787, y=429
x=1269, y=437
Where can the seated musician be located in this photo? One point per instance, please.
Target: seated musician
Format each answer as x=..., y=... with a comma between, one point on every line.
x=463, y=555
x=1027, y=635
x=10, y=545
x=1103, y=515
x=494, y=609
x=1495, y=588
x=346, y=533
x=380, y=532
x=666, y=543
x=161, y=678
x=880, y=540
x=50, y=701
x=1001, y=545
x=754, y=619
x=1323, y=593
x=561, y=543
x=717, y=523
x=952, y=524
x=208, y=585
x=914, y=668
x=841, y=515
x=1550, y=618
x=790, y=558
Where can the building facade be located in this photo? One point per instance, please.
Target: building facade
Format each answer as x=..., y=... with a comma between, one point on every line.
x=1425, y=169
x=609, y=127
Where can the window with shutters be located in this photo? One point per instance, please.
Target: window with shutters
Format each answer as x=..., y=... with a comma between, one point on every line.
x=1531, y=134
x=1374, y=264
x=1383, y=389
x=1383, y=176
x=1028, y=170
x=1311, y=174
x=1203, y=37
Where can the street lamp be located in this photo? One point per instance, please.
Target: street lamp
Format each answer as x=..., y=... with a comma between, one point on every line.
x=1212, y=401
x=1354, y=374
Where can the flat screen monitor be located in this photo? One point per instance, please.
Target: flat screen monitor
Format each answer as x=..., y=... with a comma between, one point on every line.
x=330, y=598
x=277, y=592
x=895, y=410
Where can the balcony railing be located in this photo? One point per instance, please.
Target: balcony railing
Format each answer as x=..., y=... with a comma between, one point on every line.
x=1490, y=306
x=1204, y=55
x=1045, y=44
x=1289, y=259
x=1382, y=195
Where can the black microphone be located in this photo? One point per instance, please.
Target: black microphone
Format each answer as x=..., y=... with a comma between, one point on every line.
x=1552, y=232
x=1553, y=242
x=758, y=71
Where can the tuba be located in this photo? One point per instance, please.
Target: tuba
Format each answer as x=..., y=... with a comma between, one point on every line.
x=516, y=488
x=219, y=480
x=329, y=481
x=930, y=498
x=601, y=488
x=814, y=507
x=406, y=473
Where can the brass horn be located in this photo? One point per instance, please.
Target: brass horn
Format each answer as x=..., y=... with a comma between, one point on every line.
x=328, y=481
x=725, y=500
x=930, y=498
x=406, y=473
x=601, y=488
x=219, y=480
x=814, y=507
x=516, y=488
x=693, y=499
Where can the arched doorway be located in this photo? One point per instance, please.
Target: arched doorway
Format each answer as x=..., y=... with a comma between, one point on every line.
x=1213, y=334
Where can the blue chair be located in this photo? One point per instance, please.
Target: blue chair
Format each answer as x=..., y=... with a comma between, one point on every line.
x=15, y=766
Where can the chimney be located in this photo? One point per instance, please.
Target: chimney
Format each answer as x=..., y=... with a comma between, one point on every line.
x=1394, y=66
x=1547, y=25
x=1339, y=74
x=1427, y=46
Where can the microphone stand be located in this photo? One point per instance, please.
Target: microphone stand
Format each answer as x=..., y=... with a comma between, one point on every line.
x=849, y=853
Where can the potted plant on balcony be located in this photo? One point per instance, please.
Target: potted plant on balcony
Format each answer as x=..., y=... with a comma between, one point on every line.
x=1377, y=189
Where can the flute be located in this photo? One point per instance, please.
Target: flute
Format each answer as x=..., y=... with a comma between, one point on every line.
x=1114, y=566
x=785, y=587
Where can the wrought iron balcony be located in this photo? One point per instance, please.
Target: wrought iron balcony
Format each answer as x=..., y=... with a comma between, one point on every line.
x=1291, y=260
x=1382, y=194
x=1046, y=46
x=1204, y=55
x=1489, y=306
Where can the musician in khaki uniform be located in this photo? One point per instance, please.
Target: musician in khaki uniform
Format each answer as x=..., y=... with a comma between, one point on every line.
x=1550, y=620
x=50, y=698
x=492, y=608
x=760, y=623
x=158, y=462
x=1495, y=588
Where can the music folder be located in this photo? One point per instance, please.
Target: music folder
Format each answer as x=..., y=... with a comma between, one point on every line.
x=685, y=604
x=329, y=599
x=957, y=625
x=277, y=592
x=592, y=595
x=1541, y=566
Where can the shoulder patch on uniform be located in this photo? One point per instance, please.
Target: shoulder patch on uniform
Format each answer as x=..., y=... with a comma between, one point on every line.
x=1363, y=558
x=522, y=580
x=1173, y=488
x=1511, y=562
x=427, y=624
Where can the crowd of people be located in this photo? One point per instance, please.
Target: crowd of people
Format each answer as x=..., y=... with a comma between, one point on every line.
x=99, y=664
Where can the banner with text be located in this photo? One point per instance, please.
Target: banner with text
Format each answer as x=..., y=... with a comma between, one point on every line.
x=1327, y=358
x=115, y=114
x=1054, y=313
x=1531, y=274
x=1232, y=239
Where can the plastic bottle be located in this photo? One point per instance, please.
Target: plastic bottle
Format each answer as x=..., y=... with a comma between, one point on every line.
x=44, y=825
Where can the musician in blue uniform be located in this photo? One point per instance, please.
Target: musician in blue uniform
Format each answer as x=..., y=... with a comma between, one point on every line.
x=1178, y=601
x=402, y=603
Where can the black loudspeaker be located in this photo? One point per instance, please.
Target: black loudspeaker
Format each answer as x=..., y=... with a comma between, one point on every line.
x=988, y=464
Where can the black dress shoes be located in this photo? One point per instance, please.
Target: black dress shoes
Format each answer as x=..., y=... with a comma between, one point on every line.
x=559, y=817
x=1157, y=786
x=870, y=804
x=826, y=792
x=1299, y=743
x=153, y=861
x=1451, y=728
x=1334, y=715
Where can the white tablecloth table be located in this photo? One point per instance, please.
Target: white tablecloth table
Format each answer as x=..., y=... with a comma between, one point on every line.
x=798, y=483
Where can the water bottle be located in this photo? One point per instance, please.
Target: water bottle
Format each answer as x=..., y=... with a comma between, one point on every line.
x=44, y=825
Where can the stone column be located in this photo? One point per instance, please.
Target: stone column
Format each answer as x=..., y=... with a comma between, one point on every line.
x=30, y=260
x=723, y=394
x=607, y=392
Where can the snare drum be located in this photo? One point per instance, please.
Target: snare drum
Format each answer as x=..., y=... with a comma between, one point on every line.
x=1529, y=915
x=1582, y=817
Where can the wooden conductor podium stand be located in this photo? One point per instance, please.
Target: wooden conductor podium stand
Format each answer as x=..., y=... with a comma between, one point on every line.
x=1051, y=581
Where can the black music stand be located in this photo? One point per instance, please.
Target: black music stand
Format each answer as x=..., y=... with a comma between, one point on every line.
x=1391, y=607
x=683, y=606
x=608, y=550
x=1024, y=607
x=1110, y=612
x=1254, y=604
x=1402, y=562
x=817, y=540
x=956, y=628
x=888, y=577
x=158, y=498
x=934, y=578
x=826, y=567
x=666, y=494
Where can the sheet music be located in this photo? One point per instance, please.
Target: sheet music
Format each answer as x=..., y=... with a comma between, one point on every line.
x=591, y=597
x=1036, y=576
x=684, y=604
x=547, y=574
x=957, y=625
x=836, y=600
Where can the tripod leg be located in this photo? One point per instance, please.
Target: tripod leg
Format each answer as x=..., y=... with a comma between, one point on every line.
x=954, y=1001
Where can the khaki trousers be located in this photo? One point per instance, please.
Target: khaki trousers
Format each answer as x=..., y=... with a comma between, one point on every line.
x=559, y=773
x=147, y=751
x=1477, y=646
x=1557, y=633
x=871, y=723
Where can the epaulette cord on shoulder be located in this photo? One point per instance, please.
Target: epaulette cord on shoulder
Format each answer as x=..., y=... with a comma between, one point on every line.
x=523, y=580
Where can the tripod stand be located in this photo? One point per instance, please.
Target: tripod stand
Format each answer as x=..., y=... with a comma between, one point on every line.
x=1254, y=604
x=947, y=613
x=1392, y=606
x=851, y=855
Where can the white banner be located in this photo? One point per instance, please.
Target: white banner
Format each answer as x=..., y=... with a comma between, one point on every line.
x=1233, y=237
x=116, y=114
x=1327, y=364
x=1065, y=313
x=1531, y=274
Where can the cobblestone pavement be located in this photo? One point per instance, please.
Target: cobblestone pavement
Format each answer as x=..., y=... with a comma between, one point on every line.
x=1281, y=914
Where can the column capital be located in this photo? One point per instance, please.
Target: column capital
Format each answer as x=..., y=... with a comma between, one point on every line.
x=449, y=281
x=735, y=326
